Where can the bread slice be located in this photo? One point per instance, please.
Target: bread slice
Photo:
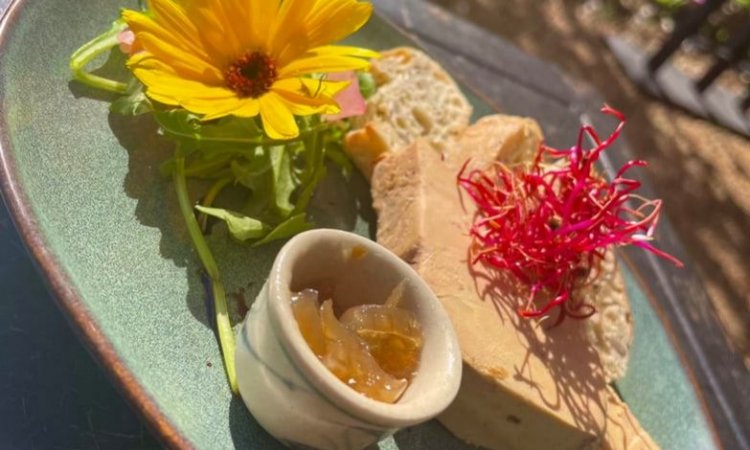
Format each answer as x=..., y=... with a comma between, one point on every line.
x=623, y=431
x=524, y=387
x=610, y=330
x=499, y=137
x=416, y=98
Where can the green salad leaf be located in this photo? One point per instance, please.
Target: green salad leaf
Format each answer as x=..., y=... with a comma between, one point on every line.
x=367, y=86
x=283, y=181
x=293, y=225
x=241, y=227
x=183, y=125
x=276, y=181
x=134, y=102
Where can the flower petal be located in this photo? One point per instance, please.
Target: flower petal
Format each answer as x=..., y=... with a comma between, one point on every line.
x=343, y=50
x=350, y=100
x=212, y=106
x=126, y=39
x=288, y=38
x=304, y=24
x=141, y=23
x=333, y=20
x=181, y=90
x=162, y=99
x=306, y=96
x=145, y=60
x=250, y=108
x=217, y=26
x=311, y=87
x=183, y=63
x=172, y=17
x=298, y=108
x=263, y=15
x=242, y=107
x=322, y=64
x=278, y=121
x=196, y=97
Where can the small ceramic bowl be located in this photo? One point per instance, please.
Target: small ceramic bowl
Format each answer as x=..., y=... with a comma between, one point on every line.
x=286, y=387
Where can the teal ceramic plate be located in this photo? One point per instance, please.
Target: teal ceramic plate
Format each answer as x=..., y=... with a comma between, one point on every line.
x=85, y=190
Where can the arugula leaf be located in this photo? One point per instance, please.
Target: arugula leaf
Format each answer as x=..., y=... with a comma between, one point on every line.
x=253, y=170
x=134, y=102
x=241, y=227
x=335, y=149
x=307, y=192
x=367, y=86
x=279, y=179
x=293, y=225
x=257, y=176
x=183, y=125
x=283, y=185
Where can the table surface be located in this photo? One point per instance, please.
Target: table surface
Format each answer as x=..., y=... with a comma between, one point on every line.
x=53, y=394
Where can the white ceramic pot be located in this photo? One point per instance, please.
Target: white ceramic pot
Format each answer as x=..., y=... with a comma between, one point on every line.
x=286, y=387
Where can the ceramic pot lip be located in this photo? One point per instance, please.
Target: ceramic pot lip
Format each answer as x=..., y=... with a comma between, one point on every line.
x=436, y=398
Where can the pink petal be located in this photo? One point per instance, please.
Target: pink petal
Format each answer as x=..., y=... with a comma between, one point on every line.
x=126, y=38
x=350, y=99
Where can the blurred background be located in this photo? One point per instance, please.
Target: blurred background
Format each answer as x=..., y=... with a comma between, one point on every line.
x=699, y=168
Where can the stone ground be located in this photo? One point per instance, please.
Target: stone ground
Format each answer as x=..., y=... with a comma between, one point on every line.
x=701, y=170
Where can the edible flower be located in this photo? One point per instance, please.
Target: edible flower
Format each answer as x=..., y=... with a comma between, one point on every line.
x=550, y=222
x=247, y=57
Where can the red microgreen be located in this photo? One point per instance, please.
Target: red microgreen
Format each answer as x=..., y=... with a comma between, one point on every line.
x=550, y=221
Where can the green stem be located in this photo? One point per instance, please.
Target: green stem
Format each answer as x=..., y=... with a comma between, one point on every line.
x=311, y=157
x=208, y=200
x=89, y=51
x=314, y=172
x=201, y=167
x=223, y=325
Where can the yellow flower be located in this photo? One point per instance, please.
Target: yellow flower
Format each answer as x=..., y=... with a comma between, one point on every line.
x=247, y=57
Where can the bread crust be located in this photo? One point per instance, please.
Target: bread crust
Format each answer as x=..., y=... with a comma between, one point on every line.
x=610, y=330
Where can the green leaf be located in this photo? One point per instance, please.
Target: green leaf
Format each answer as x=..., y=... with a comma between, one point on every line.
x=254, y=171
x=257, y=176
x=335, y=153
x=241, y=227
x=283, y=184
x=293, y=225
x=134, y=102
x=186, y=126
x=279, y=178
x=367, y=86
x=307, y=192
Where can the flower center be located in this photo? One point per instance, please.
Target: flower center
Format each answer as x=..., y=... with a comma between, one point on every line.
x=252, y=75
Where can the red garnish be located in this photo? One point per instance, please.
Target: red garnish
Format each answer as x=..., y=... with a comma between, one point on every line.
x=551, y=222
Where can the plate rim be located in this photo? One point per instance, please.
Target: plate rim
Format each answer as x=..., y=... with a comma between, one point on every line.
x=58, y=281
